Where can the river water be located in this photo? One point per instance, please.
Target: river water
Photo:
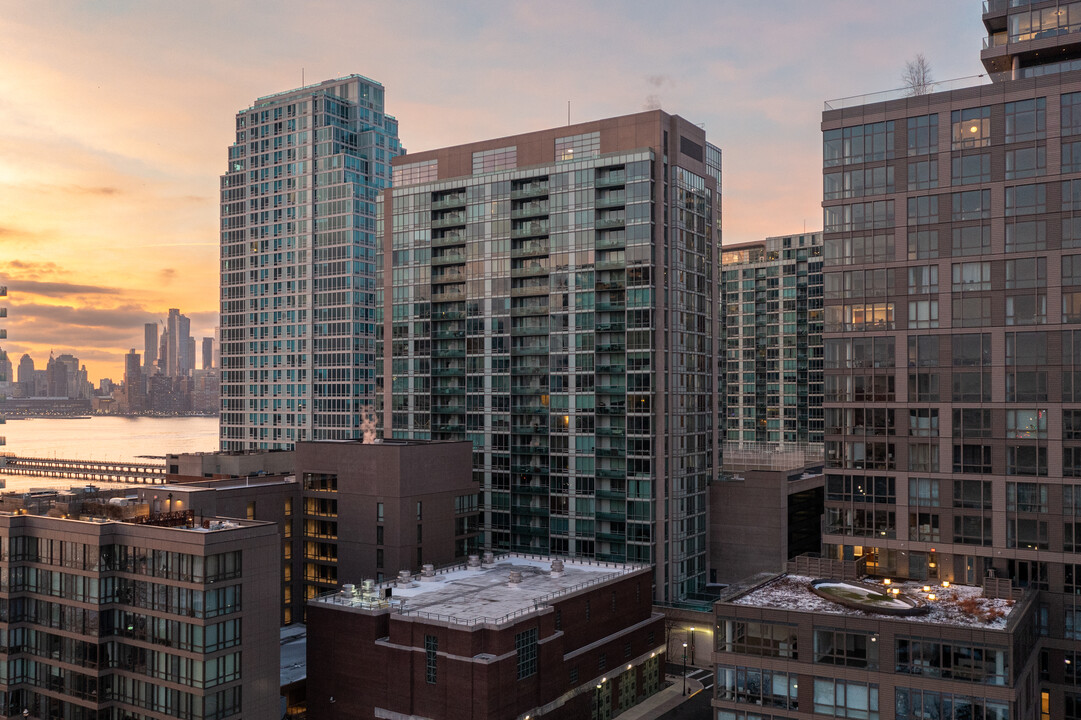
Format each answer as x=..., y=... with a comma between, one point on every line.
x=145, y=439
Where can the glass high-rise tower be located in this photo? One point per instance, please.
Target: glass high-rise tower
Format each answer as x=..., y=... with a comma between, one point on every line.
x=552, y=297
x=298, y=263
x=771, y=322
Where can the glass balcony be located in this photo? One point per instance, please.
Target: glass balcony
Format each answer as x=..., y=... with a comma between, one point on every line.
x=533, y=189
x=448, y=259
x=611, y=179
x=529, y=209
x=454, y=237
x=529, y=229
x=529, y=249
x=449, y=201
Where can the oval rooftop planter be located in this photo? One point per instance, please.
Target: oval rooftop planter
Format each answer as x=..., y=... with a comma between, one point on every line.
x=869, y=598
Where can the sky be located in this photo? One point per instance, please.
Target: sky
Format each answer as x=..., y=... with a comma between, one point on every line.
x=116, y=116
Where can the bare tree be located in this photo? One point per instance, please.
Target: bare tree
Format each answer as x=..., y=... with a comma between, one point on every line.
x=917, y=78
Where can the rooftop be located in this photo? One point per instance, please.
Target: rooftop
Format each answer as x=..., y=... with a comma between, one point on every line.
x=953, y=605
x=482, y=594
x=742, y=456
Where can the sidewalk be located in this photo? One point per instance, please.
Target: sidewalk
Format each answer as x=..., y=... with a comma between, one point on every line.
x=664, y=700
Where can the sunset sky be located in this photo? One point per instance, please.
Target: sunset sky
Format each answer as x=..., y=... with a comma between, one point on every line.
x=115, y=117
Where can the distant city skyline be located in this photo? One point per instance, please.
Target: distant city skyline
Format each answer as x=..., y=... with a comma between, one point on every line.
x=137, y=175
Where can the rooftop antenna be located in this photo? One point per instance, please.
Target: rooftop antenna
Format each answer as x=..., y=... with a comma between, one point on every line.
x=568, y=112
x=301, y=77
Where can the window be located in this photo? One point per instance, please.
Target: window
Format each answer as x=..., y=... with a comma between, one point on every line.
x=525, y=644
x=859, y=183
x=578, y=147
x=968, y=458
x=431, y=651
x=1026, y=460
x=971, y=276
x=1026, y=309
x=1026, y=424
x=1071, y=359
x=923, y=350
x=923, y=387
x=1071, y=232
x=1071, y=195
x=923, y=135
x=923, y=245
x=972, y=494
x=971, y=423
x=1071, y=510
x=971, y=168
x=846, y=648
x=923, y=423
x=1026, y=120
x=752, y=638
x=913, y=704
x=1026, y=199
x=971, y=312
x=486, y=161
x=1026, y=273
x=923, y=527
x=1071, y=269
x=1072, y=617
x=1026, y=497
x=1071, y=462
x=931, y=657
x=1026, y=533
x=971, y=350
x=1026, y=350
x=1026, y=236
x=971, y=205
x=859, y=250
x=923, y=210
x=1072, y=586
x=922, y=175
x=859, y=216
x=855, y=489
x=860, y=317
x=379, y=512
x=923, y=492
x=972, y=240
x=923, y=313
x=765, y=688
x=853, y=284
x=972, y=530
x=923, y=279
x=1071, y=156
x=846, y=699
x=859, y=144
x=1071, y=113
x=971, y=127
x=1026, y=162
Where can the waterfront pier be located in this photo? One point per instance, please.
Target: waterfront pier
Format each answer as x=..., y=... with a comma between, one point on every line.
x=91, y=470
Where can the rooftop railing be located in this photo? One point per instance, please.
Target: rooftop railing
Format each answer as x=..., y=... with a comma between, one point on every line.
x=913, y=92
x=737, y=456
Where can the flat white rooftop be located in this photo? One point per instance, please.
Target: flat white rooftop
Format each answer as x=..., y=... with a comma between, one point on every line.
x=484, y=595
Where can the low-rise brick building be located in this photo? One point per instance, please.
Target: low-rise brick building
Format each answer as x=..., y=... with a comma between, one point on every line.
x=514, y=637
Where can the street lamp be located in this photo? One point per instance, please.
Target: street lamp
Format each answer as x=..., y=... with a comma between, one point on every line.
x=597, y=699
x=684, y=668
x=692, y=645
